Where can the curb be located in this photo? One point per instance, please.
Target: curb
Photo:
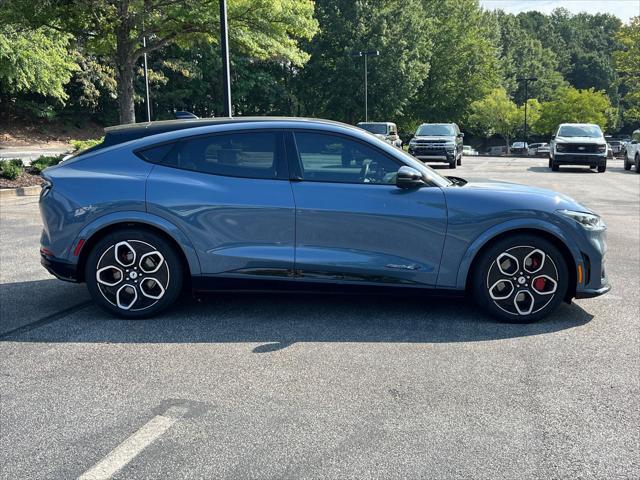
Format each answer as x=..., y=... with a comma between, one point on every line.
x=20, y=192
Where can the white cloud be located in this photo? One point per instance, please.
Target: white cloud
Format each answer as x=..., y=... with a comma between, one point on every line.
x=623, y=9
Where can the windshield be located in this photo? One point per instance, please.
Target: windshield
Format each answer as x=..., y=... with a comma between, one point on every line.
x=376, y=128
x=436, y=130
x=592, y=131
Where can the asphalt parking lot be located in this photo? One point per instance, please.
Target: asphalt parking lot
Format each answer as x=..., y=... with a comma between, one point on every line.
x=291, y=386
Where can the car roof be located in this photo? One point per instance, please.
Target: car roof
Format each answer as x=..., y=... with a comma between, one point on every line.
x=375, y=123
x=124, y=133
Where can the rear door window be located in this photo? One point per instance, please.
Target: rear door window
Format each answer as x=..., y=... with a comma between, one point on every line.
x=237, y=154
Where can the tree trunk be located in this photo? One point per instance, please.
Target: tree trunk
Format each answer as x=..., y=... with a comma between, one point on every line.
x=125, y=61
x=125, y=93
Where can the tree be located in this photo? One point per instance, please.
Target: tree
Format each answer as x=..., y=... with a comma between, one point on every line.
x=115, y=29
x=495, y=114
x=331, y=84
x=574, y=106
x=627, y=63
x=36, y=61
x=464, y=63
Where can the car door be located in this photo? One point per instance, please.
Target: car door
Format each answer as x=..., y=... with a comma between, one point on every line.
x=230, y=193
x=353, y=224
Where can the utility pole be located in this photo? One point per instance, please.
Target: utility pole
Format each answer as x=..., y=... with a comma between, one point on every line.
x=224, y=47
x=526, y=81
x=366, y=55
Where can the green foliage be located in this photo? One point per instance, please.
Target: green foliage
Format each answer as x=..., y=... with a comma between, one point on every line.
x=35, y=61
x=16, y=161
x=79, y=145
x=43, y=162
x=10, y=170
x=570, y=105
x=331, y=85
x=496, y=114
x=627, y=63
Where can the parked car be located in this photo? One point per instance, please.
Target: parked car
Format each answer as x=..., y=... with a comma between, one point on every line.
x=533, y=148
x=438, y=142
x=578, y=144
x=519, y=147
x=497, y=150
x=609, y=151
x=616, y=146
x=467, y=150
x=268, y=203
x=543, y=150
x=386, y=131
x=632, y=152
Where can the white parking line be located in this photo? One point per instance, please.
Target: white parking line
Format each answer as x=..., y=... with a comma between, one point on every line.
x=132, y=446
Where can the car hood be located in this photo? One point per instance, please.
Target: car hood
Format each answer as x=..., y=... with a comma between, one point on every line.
x=580, y=140
x=523, y=196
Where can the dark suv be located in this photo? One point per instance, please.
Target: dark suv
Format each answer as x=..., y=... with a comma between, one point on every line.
x=438, y=142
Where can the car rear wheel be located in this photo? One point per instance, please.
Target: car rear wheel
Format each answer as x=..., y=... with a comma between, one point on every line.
x=554, y=166
x=520, y=279
x=133, y=274
x=637, y=163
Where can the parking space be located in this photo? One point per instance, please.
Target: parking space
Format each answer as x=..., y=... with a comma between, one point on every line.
x=321, y=386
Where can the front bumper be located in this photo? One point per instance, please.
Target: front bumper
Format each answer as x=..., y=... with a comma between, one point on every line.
x=59, y=268
x=593, y=292
x=580, y=159
x=433, y=155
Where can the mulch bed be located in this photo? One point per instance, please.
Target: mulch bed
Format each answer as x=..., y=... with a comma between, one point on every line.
x=25, y=180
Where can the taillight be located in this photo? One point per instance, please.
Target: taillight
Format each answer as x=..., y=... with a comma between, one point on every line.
x=46, y=188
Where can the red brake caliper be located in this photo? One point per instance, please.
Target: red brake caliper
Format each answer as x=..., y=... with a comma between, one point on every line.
x=539, y=284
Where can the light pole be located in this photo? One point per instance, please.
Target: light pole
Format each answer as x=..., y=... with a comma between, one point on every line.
x=224, y=48
x=526, y=81
x=146, y=78
x=366, y=55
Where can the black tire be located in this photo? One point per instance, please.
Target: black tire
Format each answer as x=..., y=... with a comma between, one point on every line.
x=554, y=166
x=627, y=165
x=127, y=297
x=602, y=168
x=452, y=164
x=637, y=163
x=488, y=279
x=459, y=162
x=550, y=163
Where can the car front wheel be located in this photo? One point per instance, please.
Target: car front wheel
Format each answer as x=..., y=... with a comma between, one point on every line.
x=520, y=279
x=133, y=273
x=602, y=168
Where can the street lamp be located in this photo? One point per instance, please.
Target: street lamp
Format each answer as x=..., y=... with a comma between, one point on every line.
x=366, y=55
x=224, y=48
x=526, y=81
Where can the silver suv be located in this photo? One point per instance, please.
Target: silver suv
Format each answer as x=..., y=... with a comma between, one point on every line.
x=578, y=144
x=387, y=131
x=632, y=152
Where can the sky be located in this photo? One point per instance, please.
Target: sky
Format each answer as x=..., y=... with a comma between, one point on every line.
x=623, y=9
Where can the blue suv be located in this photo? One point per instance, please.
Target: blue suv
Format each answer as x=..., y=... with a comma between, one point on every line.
x=289, y=203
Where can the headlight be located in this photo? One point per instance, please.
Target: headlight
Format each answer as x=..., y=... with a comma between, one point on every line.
x=450, y=145
x=412, y=142
x=560, y=147
x=602, y=148
x=587, y=220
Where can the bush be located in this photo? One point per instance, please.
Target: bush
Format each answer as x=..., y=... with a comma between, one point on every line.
x=17, y=162
x=10, y=171
x=43, y=162
x=80, y=145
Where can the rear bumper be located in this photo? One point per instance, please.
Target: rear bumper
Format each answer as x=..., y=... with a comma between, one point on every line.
x=59, y=268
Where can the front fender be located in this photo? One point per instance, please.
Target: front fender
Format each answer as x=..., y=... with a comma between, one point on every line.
x=511, y=225
x=147, y=219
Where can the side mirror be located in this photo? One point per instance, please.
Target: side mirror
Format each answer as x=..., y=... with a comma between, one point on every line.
x=461, y=134
x=408, y=177
x=553, y=137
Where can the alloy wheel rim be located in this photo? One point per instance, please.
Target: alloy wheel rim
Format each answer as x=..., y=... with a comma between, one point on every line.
x=522, y=280
x=132, y=275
